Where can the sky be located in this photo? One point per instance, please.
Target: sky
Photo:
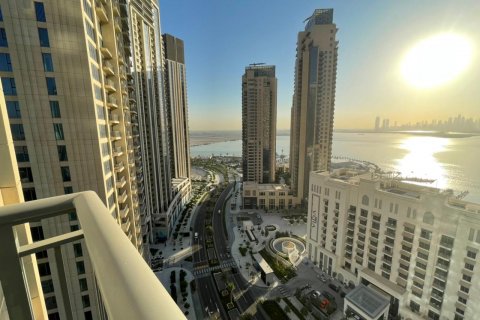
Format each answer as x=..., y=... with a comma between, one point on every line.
x=223, y=36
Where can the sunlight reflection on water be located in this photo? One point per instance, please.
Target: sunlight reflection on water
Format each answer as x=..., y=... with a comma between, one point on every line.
x=420, y=161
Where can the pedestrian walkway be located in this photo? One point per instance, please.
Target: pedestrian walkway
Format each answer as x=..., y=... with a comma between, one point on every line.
x=206, y=270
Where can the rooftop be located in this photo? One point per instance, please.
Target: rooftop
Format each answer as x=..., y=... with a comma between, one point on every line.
x=368, y=300
x=262, y=263
x=319, y=17
x=265, y=186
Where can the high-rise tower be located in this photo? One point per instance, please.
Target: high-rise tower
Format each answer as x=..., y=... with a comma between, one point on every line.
x=176, y=105
x=259, y=123
x=313, y=100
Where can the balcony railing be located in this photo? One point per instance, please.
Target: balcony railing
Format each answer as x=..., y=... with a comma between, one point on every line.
x=129, y=289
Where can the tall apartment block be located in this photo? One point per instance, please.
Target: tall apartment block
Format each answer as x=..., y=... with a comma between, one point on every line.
x=175, y=79
x=148, y=97
x=313, y=100
x=127, y=287
x=417, y=245
x=259, y=123
x=176, y=105
x=71, y=86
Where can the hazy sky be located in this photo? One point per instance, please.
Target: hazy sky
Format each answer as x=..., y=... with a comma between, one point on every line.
x=223, y=36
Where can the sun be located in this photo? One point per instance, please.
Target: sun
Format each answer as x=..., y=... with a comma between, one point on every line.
x=436, y=60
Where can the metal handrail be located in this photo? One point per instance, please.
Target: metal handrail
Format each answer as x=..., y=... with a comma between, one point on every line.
x=129, y=288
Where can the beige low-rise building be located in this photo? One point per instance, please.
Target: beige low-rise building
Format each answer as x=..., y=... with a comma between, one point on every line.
x=418, y=244
x=267, y=196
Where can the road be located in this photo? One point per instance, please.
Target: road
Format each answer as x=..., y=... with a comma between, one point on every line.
x=206, y=286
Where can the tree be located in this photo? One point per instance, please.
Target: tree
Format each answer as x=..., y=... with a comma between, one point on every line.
x=230, y=288
x=304, y=311
x=246, y=316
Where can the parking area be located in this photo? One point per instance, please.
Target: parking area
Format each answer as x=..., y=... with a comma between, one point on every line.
x=310, y=280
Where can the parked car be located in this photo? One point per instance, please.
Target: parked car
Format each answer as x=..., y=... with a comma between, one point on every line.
x=334, y=287
x=329, y=296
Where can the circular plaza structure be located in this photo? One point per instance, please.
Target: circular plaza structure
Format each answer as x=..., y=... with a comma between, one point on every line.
x=289, y=248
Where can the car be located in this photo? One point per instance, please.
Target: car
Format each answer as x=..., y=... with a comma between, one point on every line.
x=329, y=296
x=334, y=287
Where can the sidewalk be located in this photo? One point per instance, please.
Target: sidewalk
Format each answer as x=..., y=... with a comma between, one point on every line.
x=237, y=239
x=164, y=277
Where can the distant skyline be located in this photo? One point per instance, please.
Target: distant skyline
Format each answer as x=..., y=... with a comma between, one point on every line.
x=221, y=37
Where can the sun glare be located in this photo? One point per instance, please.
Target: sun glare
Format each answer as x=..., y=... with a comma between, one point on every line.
x=436, y=60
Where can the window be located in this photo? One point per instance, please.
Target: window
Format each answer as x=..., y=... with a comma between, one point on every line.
x=467, y=278
x=100, y=112
x=471, y=254
x=25, y=174
x=1, y=15
x=77, y=250
x=21, y=153
x=51, y=303
x=41, y=254
x=428, y=218
x=415, y=307
x=86, y=301
x=68, y=190
x=66, y=174
x=462, y=300
x=103, y=130
x=74, y=227
x=40, y=12
x=13, y=109
x=17, y=132
x=5, y=62
x=55, y=109
x=58, y=130
x=29, y=194
x=37, y=233
x=54, y=316
x=47, y=62
x=105, y=149
x=72, y=216
x=98, y=93
x=426, y=234
x=80, y=267
x=88, y=9
x=43, y=36
x=464, y=289
x=365, y=200
x=51, y=86
x=83, y=284
x=88, y=315
x=47, y=286
x=432, y=315
x=471, y=234
x=44, y=269
x=62, y=153
x=3, y=38
x=469, y=266
x=9, y=87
